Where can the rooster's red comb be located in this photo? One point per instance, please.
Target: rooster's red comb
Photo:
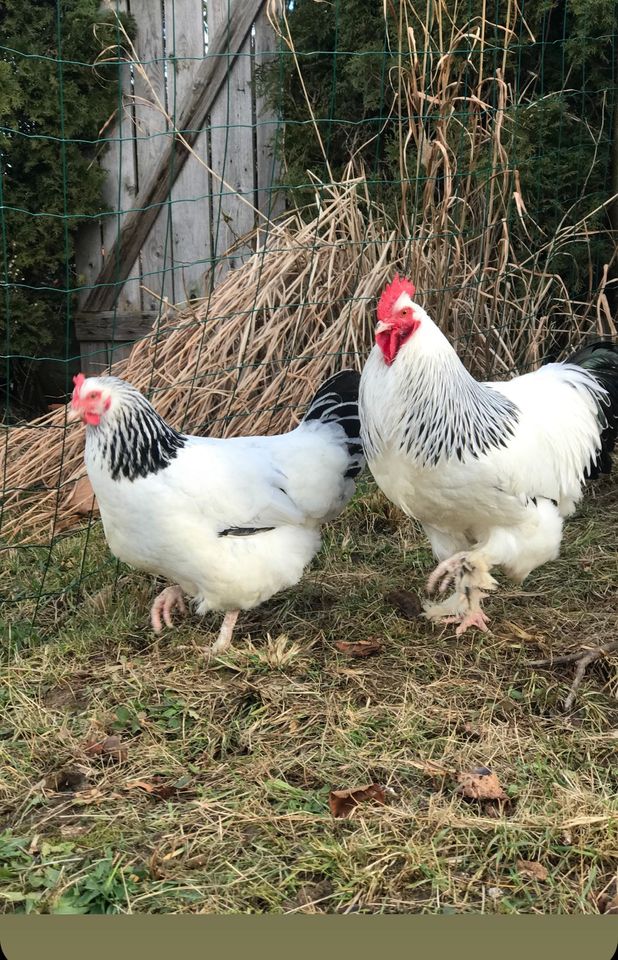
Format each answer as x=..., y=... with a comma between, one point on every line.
x=391, y=294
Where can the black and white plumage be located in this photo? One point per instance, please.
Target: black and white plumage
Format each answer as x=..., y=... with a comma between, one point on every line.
x=490, y=469
x=231, y=522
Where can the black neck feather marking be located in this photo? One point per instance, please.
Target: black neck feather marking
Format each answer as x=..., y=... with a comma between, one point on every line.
x=137, y=441
x=442, y=413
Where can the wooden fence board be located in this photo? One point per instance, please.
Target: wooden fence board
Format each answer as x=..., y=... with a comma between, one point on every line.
x=96, y=240
x=269, y=201
x=232, y=150
x=191, y=210
x=152, y=138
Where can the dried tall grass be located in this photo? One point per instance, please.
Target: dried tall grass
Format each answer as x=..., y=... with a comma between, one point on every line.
x=246, y=357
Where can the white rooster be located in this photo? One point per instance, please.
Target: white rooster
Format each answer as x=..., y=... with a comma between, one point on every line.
x=489, y=469
x=230, y=522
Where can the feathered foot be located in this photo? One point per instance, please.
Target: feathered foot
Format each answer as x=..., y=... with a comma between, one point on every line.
x=469, y=573
x=224, y=640
x=449, y=611
x=164, y=605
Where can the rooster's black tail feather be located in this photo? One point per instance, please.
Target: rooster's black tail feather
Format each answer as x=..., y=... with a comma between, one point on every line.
x=601, y=360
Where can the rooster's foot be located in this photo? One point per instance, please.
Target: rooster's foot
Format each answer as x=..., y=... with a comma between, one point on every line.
x=449, y=611
x=458, y=610
x=474, y=618
x=164, y=605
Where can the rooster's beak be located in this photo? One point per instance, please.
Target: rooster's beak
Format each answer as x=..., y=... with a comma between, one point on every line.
x=383, y=326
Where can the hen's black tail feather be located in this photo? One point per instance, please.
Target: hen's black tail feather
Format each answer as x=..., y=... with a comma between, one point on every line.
x=336, y=401
x=601, y=360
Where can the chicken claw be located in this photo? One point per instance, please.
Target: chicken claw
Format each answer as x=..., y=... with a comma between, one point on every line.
x=470, y=574
x=474, y=618
x=164, y=605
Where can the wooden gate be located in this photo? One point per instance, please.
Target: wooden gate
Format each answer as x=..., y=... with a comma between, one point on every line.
x=190, y=163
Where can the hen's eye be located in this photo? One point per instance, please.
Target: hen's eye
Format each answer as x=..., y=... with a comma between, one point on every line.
x=92, y=395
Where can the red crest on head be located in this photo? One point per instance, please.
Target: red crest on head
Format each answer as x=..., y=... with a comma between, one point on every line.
x=391, y=294
x=79, y=381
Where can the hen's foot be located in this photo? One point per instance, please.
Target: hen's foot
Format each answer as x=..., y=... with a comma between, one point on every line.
x=164, y=605
x=224, y=640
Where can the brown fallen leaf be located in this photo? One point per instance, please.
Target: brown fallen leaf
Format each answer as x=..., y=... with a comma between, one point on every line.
x=360, y=648
x=93, y=795
x=343, y=802
x=405, y=603
x=158, y=787
x=480, y=784
x=109, y=747
x=533, y=868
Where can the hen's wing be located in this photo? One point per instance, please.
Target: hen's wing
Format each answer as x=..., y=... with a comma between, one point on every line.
x=234, y=486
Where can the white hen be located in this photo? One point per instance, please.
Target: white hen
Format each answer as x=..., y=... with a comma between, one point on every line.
x=490, y=469
x=231, y=522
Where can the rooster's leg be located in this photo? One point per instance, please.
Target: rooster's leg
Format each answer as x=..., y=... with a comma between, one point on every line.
x=224, y=640
x=164, y=605
x=469, y=571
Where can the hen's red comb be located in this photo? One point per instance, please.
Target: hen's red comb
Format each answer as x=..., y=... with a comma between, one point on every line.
x=391, y=294
x=79, y=381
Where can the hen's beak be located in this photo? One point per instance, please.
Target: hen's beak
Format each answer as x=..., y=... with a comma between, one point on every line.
x=383, y=326
x=72, y=414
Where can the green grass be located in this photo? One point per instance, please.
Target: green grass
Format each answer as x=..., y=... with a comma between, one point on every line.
x=248, y=747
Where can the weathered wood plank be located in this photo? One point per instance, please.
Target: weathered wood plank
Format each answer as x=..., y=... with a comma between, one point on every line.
x=113, y=326
x=191, y=214
x=96, y=240
x=270, y=202
x=118, y=351
x=94, y=358
x=138, y=223
x=232, y=149
x=153, y=136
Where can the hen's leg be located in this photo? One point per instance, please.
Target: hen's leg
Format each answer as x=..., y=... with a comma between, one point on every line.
x=224, y=640
x=164, y=605
x=469, y=571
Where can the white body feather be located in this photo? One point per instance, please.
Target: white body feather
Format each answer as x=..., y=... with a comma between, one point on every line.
x=508, y=501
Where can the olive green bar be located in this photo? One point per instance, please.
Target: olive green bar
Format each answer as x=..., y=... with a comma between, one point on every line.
x=318, y=938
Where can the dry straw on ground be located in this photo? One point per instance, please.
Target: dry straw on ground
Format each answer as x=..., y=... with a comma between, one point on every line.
x=247, y=357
